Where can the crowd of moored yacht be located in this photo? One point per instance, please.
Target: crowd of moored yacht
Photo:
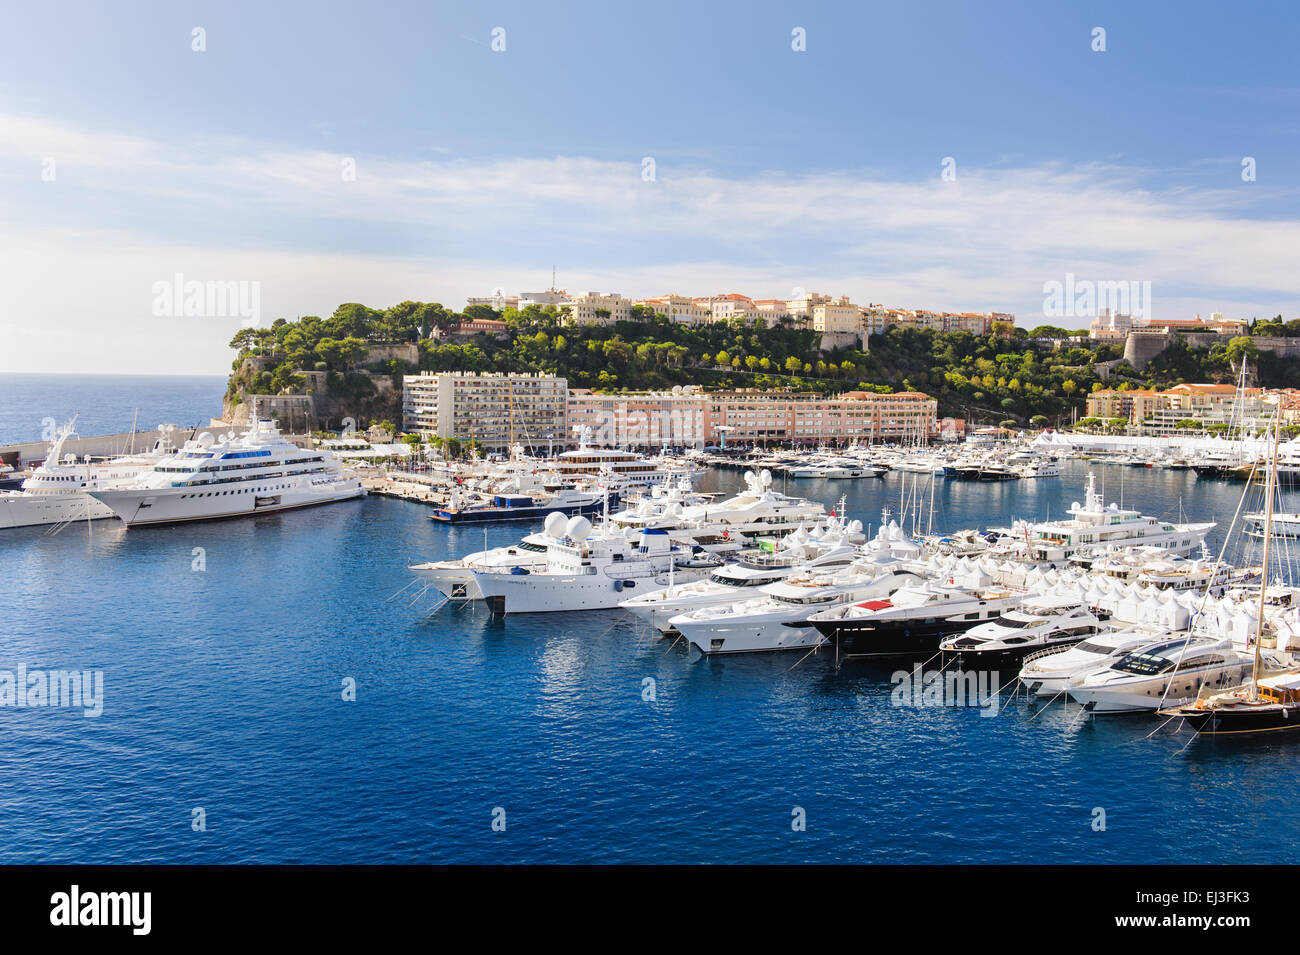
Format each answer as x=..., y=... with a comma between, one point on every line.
x=1113, y=609
x=1108, y=607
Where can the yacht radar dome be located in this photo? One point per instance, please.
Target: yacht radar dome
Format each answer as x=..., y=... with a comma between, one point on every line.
x=578, y=528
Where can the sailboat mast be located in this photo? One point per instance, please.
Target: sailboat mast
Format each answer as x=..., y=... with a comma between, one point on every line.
x=1268, y=536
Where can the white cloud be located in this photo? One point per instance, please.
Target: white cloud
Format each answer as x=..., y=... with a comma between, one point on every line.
x=78, y=257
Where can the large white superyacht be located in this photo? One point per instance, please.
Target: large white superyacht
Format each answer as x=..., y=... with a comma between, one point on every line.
x=258, y=472
x=1095, y=526
x=58, y=490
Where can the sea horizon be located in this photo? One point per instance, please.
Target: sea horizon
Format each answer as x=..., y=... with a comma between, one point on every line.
x=103, y=403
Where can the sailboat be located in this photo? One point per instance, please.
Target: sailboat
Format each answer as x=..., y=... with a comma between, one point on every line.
x=1266, y=703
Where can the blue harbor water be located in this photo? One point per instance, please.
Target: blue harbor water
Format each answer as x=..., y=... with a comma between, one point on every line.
x=104, y=404
x=223, y=691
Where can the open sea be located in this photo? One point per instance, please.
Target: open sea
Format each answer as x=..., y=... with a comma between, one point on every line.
x=104, y=404
x=223, y=692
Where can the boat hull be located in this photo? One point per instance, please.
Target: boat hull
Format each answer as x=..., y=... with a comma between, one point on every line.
x=890, y=639
x=33, y=510
x=1241, y=720
x=510, y=593
x=486, y=515
x=748, y=636
x=157, y=507
x=1001, y=658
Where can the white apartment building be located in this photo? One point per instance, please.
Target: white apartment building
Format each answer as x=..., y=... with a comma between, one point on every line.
x=588, y=308
x=498, y=411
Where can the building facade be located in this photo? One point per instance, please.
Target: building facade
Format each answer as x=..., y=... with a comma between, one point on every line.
x=756, y=417
x=678, y=308
x=1159, y=412
x=594, y=308
x=645, y=421
x=497, y=411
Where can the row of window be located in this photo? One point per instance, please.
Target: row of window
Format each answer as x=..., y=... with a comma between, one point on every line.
x=238, y=490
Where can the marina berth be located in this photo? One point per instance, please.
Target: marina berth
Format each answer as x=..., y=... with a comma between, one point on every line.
x=258, y=472
x=690, y=520
x=1266, y=700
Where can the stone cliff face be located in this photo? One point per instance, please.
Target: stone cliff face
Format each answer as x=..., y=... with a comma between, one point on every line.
x=323, y=400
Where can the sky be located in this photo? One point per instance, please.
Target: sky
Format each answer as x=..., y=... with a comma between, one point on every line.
x=322, y=153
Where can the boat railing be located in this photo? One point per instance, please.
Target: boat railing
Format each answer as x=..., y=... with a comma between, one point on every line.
x=1047, y=652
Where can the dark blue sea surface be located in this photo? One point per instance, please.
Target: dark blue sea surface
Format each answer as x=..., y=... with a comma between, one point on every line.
x=104, y=404
x=223, y=691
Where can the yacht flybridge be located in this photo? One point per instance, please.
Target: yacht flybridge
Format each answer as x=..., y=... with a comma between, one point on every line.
x=256, y=473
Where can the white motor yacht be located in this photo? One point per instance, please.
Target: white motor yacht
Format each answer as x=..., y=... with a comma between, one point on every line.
x=730, y=583
x=1166, y=673
x=59, y=490
x=1040, y=622
x=592, y=571
x=259, y=472
x=1046, y=671
x=776, y=618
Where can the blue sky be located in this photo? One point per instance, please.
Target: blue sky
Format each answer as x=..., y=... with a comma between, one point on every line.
x=775, y=169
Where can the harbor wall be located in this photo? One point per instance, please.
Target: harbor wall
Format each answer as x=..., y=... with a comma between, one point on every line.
x=99, y=446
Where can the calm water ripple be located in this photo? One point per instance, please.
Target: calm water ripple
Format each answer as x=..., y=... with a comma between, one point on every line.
x=223, y=691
